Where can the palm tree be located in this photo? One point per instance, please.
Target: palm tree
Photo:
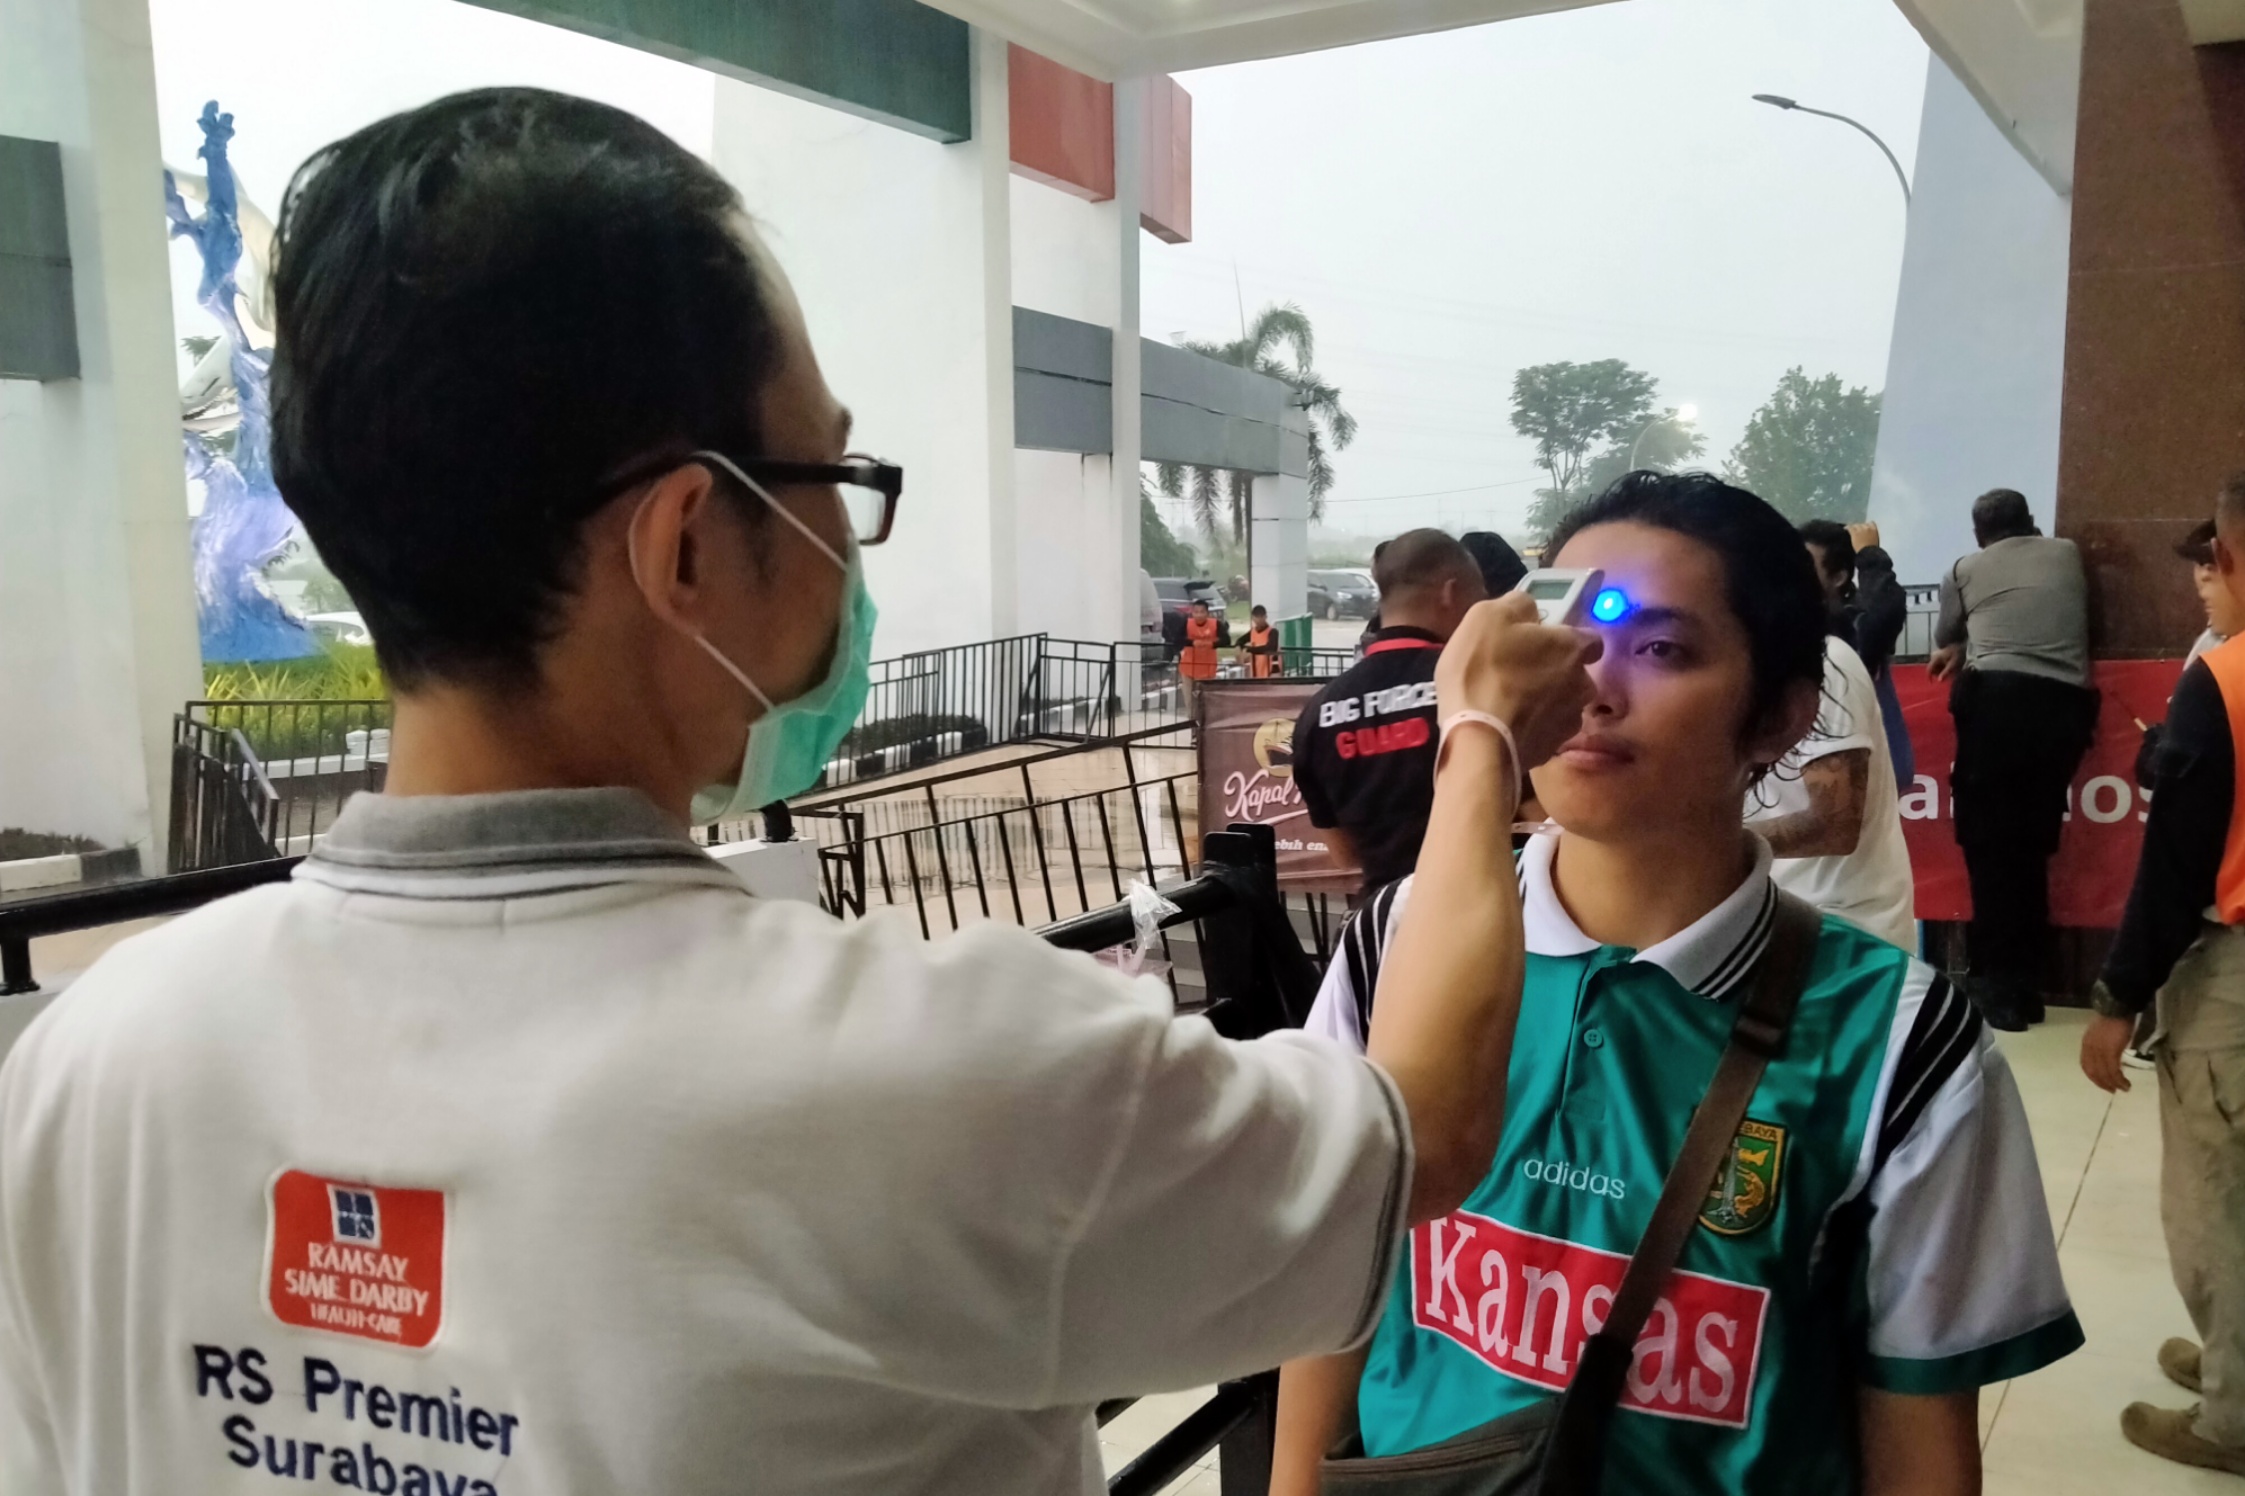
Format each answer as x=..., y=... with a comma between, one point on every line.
x=1275, y=328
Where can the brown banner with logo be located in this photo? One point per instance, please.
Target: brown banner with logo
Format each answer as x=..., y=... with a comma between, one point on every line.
x=1247, y=776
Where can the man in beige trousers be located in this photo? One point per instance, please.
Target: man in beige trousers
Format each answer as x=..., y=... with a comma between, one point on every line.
x=2182, y=944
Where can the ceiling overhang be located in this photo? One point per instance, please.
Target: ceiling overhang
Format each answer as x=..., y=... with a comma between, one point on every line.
x=2022, y=60
x=1113, y=39
x=2212, y=22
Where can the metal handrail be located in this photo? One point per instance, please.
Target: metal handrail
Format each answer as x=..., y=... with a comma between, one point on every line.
x=114, y=903
x=907, y=783
x=256, y=764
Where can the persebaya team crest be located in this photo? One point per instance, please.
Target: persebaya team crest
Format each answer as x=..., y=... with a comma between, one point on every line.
x=1744, y=1194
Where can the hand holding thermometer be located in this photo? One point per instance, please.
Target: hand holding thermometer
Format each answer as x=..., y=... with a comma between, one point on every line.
x=1572, y=598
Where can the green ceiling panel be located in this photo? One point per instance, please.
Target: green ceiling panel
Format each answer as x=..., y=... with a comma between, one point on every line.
x=896, y=61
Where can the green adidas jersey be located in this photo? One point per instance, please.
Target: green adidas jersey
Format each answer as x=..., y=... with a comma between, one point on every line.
x=1880, y=1220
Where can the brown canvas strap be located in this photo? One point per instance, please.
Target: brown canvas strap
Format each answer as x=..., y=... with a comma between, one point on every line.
x=1571, y=1457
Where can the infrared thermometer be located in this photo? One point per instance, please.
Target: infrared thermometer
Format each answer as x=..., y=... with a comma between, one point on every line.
x=1569, y=598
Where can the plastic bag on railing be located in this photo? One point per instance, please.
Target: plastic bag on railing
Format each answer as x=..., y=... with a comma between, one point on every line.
x=1147, y=910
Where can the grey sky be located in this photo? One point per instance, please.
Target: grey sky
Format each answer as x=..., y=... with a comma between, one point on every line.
x=1584, y=185
x=1591, y=184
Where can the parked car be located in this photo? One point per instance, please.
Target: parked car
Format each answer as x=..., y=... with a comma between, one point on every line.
x=1343, y=594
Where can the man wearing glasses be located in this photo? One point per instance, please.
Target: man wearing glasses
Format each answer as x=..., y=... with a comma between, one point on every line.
x=513, y=1147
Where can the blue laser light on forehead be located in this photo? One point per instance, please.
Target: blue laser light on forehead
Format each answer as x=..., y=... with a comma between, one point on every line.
x=1611, y=605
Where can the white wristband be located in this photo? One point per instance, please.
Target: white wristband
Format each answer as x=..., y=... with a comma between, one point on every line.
x=1480, y=719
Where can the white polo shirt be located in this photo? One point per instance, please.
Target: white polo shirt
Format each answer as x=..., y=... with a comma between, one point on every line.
x=514, y=1148
x=1870, y=887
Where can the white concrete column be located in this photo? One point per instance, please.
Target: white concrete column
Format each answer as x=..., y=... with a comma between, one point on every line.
x=993, y=147
x=98, y=641
x=1975, y=374
x=1130, y=105
x=1278, y=519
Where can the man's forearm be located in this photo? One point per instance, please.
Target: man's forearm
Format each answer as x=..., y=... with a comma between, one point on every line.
x=1838, y=788
x=1450, y=988
x=1314, y=1400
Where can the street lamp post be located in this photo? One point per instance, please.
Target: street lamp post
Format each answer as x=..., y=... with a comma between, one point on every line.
x=1682, y=415
x=1779, y=101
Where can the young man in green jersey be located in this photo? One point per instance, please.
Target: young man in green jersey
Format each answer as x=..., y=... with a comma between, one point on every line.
x=1876, y=1248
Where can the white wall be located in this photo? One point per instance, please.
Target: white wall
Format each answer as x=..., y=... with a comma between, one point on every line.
x=1066, y=261
x=1064, y=502
x=890, y=241
x=97, y=622
x=1065, y=253
x=1976, y=371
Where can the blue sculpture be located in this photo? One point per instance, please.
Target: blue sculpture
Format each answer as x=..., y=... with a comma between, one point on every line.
x=244, y=526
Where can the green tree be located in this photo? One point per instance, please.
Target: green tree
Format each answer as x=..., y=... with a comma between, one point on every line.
x=1159, y=551
x=1218, y=495
x=1666, y=442
x=1566, y=409
x=1808, y=449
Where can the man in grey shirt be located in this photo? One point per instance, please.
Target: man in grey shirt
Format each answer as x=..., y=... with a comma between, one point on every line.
x=2014, y=636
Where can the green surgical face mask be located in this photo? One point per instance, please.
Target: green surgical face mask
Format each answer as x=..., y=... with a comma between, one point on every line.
x=790, y=745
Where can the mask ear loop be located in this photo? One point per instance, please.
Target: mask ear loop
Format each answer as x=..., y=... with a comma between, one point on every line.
x=631, y=552
x=777, y=507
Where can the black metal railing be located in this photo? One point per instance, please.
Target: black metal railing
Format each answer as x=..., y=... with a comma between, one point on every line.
x=26, y=920
x=1924, y=608
x=1263, y=982
x=255, y=779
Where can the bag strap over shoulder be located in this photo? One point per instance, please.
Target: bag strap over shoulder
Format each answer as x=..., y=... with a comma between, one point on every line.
x=1572, y=1457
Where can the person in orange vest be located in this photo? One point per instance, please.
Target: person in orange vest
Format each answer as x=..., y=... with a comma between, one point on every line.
x=1198, y=662
x=1259, y=654
x=2181, y=952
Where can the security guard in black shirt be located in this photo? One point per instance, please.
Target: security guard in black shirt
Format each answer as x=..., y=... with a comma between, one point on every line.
x=1364, y=747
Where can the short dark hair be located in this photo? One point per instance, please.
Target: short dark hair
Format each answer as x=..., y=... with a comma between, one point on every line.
x=1768, y=579
x=1420, y=558
x=2229, y=504
x=2198, y=546
x=2002, y=514
x=487, y=308
x=1501, y=566
x=1831, y=537
x=1259, y=608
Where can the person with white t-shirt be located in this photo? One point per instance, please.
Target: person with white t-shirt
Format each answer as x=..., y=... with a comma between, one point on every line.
x=513, y=1148
x=1829, y=809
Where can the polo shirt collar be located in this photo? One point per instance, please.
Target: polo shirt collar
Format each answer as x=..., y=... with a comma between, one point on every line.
x=1405, y=631
x=505, y=845
x=1710, y=956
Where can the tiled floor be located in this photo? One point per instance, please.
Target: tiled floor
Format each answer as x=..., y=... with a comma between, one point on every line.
x=2056, y=1433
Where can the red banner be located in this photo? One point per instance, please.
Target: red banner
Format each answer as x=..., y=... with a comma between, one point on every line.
x=2105, y=813
x=1247, y=776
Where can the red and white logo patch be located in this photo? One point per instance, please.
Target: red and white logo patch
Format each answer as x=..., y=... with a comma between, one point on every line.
x=356, y=1259
x=1525, y=1304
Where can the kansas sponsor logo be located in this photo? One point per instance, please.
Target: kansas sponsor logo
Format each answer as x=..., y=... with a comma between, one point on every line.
x=1744, y=1194
x=1525, y=1304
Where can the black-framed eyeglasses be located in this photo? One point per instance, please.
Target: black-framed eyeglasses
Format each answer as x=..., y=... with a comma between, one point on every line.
x=869, y=487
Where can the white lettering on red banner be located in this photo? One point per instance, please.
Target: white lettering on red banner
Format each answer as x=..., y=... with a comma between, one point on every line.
x=1525, y=1304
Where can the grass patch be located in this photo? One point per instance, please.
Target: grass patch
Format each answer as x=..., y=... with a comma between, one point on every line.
x=16, y=843
x=340, y=672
